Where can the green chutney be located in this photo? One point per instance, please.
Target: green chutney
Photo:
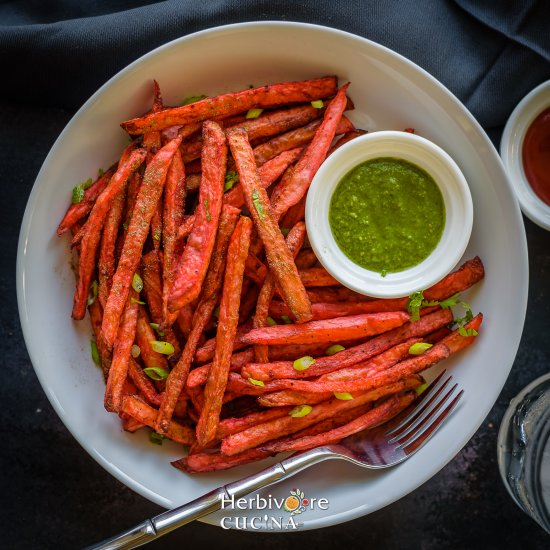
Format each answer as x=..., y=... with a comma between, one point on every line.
x=387, y=215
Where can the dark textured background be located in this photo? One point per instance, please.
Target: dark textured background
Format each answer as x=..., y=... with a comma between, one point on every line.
x=53, y=55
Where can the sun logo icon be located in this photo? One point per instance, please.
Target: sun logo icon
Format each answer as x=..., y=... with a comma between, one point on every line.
x=296, y=503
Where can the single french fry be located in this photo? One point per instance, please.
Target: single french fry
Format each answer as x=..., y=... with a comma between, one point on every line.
x=148, y=196
x=317, y=276
x=294, y=138
x=91, y=231
x=96, y=316
x=296, y=182
x=230, y=426
x=106, y=263
x=138, y=409
x=174, y=208
x=215, y=461
x=349, y=136
x=227, y=327
x=234, y=103
x=144, y=336
x=341, y=328
x=177, y=378
x=353, y=355
x=199, y=375
x=193, y=264
x=78, y=211
x=383, y=412
x=121, y=354
x=333, y=294
x=278, y=256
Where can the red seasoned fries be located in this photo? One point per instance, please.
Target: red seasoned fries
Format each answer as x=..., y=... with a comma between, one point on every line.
x=213, y=322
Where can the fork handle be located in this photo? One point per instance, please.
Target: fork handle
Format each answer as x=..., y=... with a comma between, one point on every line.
x=210, y=502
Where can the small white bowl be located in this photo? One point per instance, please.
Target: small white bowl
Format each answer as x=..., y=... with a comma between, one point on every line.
x=458, y=209
x=511, y=147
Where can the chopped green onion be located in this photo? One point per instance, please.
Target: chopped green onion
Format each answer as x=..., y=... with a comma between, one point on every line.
x=92, y=293
x=125, y=226
x=419, y=348
x=334, y=349
x=162, y=347
x=137, y=283
x=318, y=104
x=303, y=363
x=286, y=319
x=135, y=351
x=300, y=410
x=157, y=235
x=78, y=191
x=421, y=389
x=258, y=204
x=135, y=301
x=343, y=396
x=463, y=331
x=95, y=353
x=156, y=438
x=100, y=172
x=414, y=304
x=193, y=99
x=256, y=382
x=285, y=231
x=271, y=322
x=156, y=326
x=231, y=178
x=254, y=113
x=208, y=216
x=156, y=373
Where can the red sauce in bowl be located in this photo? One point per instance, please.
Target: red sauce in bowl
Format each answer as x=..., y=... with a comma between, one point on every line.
x=536, y=155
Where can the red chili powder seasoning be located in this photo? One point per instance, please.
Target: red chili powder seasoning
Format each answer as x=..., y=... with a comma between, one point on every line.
x=536, y=155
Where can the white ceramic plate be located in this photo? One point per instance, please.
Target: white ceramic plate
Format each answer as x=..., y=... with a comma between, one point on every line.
x=389, y=93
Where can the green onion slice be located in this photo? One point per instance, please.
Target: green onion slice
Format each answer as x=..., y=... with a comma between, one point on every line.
x=300, y=411
x=254, y=113
x=334, y=349
x=303, y=363
x=343, y=396
x=132, y=299
x=318, y=104
x=271, y=322
x=258, y=203
x=156, y=373
x=92, y=293
x=193, y=99
x=156, y=326
x=137, y=283
x=162, y=347
x=156, y=438
x=285, y=231
x=231, y=178
x=95, y=353
x=421, y=389
x=286, y=319
x=256, y=382
x=419, y=348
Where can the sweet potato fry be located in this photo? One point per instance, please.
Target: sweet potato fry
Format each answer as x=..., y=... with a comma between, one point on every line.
x=334, y=294
x=279, y=258
x=328, y=330
x=296, y=182
x=317, y=276
x=193, y=264
x=138, y=409
x=353, y=355
x=230, y=426
x=143, y=383
x=378, y=415
x=144, y=336
x=227, y=327
x=234, y=103
x=294, y=138
x=344, y=139
x=177, y=378
x=199, y=375
x=106, y=263
x=91, y=233
x=306, y=258
x=79, y=210
x=121, y=354
x=148, y=196
x=96, y=316
x=215, y=461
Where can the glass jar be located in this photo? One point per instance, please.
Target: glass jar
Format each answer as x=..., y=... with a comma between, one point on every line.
x=524, y=450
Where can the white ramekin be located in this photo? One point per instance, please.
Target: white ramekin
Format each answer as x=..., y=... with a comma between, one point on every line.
x=458, y=209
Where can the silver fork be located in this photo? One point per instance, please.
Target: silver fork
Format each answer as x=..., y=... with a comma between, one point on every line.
x=381, y=447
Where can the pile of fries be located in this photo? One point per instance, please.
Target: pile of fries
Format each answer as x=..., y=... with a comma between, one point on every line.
x=214, y=323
